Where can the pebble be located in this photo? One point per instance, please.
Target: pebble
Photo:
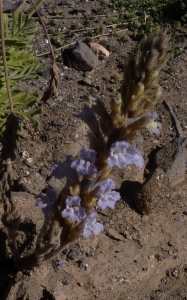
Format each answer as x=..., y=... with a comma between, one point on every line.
x=121, y=279
x=58, y=122
x=66, y=282
x=68, y=141
x=80, y=284
x=73, y=254
x=159, y=257
x=87, y=80
x=174, y=273
x=58, y=265
x=58, y=98
x=80, y=57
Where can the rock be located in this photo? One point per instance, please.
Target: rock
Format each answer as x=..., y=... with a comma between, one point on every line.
x=11, y=5
x=99, y=51
x=111, y=47
x=73, y=254
x=153, y=193
x=172, y=159
x=80, y=57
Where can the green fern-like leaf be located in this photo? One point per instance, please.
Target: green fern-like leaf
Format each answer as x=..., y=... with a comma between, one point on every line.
x=22, y=65
x=23, y=30
x=22, y=102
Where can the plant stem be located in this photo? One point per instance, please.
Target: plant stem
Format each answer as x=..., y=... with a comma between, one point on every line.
x=45, y=29
x=4, y=57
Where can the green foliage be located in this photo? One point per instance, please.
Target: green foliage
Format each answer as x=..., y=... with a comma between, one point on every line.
x=22, y=31
x=22, y=65
x=144, y=16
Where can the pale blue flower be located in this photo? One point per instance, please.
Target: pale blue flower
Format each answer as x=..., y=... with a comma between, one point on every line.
x=106, y=197
x=153, y=127
x=121, y=155
x=91, y=225
x=86, y=163
x=48, y=202
x=73, y=209
x=63, y=169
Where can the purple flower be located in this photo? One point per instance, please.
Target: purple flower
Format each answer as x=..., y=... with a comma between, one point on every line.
x=47, y=202
x=73, y=209
x=154, y=127
x=86, y=163
x=63, y=169
x=121, y=155
x=106, y=197
x=91, y=226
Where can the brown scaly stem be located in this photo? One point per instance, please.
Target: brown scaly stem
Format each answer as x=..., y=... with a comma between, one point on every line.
x=11, y=217
x=53, y=84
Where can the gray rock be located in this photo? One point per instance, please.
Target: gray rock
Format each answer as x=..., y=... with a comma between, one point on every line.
x=80, y=57
x=111, y=47
x=11, y=5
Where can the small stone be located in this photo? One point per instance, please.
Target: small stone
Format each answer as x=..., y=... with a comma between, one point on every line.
x=81, y=263
x=80, y=57
x=58, y=265
x=87, y=81
x=68, y=141
x=174, y=273
x=86, y=267
x=90, y=253
x=58, y=122
x=58, y=98
x=80, y=284
x=66, y=282
x=73, y=254
x=99, y=51
x=111, y=47
x=159, y=257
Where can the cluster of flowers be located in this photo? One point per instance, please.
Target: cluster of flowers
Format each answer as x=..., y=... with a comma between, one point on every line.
x=121, y=155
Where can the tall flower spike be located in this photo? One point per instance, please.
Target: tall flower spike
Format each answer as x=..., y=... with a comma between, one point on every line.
x=140, y=89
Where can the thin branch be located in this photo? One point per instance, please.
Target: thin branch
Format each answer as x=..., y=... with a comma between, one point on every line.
x=4, y=57
x=45, y=29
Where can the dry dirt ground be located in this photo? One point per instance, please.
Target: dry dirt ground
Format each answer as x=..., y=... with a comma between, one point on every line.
x=137, y=257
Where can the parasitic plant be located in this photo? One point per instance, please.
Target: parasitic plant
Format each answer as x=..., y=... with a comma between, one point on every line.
x=88, y=177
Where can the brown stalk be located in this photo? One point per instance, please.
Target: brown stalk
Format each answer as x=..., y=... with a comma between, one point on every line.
x=53, y=84
x=11, y=216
